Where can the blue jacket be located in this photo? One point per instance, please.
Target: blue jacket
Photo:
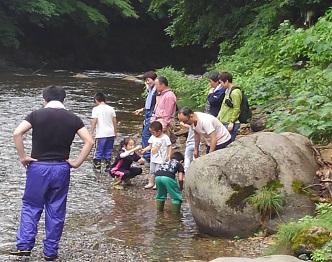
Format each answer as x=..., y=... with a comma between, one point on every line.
x=215, y=99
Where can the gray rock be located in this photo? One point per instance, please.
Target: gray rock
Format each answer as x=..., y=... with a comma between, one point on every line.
x=274, y=258
x=219, y=183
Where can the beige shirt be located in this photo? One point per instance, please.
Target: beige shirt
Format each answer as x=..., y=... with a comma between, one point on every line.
x=206, y=124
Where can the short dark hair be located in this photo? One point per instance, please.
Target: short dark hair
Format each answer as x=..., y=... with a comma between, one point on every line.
x=156, y=126
x=177, y=156
x=150, y=74
x=214, y=76
x=185, y=111
x=162, y=80
x=224, y=76
x=100, y=97
x=56, y=93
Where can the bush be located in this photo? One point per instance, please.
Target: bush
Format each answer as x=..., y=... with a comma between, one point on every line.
x=290, y=233
x=190, y=92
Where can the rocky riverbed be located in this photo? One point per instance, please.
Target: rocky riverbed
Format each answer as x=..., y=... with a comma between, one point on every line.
x=101, y=224
x=97, y=239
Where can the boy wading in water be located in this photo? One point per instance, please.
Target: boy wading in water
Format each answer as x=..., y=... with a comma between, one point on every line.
x=166, y=182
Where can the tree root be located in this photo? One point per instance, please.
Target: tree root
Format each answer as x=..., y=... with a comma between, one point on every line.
x=324, y=174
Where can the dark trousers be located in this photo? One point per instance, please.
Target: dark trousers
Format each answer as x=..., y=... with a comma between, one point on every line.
x=146, y=134
x=221, y=146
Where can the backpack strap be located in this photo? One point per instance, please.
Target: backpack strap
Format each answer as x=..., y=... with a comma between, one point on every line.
x=233, y=88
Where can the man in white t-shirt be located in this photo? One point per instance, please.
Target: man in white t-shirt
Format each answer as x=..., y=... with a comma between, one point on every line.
x=104, y=122
x=208, y=126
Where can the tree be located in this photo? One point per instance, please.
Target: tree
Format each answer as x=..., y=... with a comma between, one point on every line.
x=210, y=22
x=92, y=15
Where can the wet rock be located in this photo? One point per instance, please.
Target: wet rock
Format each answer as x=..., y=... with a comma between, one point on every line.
x=218, y=184
x=258, y=125
x=132, y=78
x=80, y=76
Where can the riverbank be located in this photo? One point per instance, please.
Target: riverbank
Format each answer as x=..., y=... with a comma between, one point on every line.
x=101, y=224
x=84, y=240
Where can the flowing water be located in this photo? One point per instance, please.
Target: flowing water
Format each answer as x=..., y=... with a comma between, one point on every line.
x=97, y=216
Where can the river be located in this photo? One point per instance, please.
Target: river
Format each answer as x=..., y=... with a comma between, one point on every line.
x=101, y=224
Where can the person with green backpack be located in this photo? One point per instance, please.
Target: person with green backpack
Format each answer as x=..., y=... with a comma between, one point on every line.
x=231, y=106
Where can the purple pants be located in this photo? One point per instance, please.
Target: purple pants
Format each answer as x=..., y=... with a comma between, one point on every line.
x=104, y=148
x=47, y=185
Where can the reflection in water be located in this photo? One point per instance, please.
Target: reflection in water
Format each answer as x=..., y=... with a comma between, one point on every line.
x=94, y=211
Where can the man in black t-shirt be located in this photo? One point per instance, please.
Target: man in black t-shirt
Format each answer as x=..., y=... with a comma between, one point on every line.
x=48, y=170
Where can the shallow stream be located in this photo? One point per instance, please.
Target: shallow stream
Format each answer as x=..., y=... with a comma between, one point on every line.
x=101, y=224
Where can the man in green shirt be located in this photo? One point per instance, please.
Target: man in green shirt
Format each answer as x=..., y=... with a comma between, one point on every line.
x=230, y=107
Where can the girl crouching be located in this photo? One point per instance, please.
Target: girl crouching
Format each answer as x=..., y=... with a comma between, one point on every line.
x=121, y=169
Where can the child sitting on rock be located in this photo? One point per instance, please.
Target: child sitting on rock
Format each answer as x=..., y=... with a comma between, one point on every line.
x=121, y=169
x=166, y=182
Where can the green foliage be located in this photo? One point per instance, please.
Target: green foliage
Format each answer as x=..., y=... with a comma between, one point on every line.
x=288, y=76
x=286, y=73
x=190, y=92
x=298, y=186
x=238, y=239
x=324, y=254
x=217, y=21
x=94, y=16
x=210, y=23
x=124, y=6
x=268, y=201
x=288, y=233
x=8, y=31
x=312, y=238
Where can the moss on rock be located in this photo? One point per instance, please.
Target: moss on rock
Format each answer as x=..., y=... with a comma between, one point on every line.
x=310, y=239
x=237, y=199
x=298, y=186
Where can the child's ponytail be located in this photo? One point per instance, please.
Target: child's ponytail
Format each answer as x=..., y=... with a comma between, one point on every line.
x=124, y=142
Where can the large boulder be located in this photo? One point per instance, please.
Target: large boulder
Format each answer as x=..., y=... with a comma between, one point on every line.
x=218, y=184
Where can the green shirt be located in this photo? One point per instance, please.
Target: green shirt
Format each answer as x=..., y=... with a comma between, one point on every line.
x=231, y=114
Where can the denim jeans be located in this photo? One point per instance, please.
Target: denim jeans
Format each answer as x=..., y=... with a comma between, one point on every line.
x=233, y=132
x=146, y=134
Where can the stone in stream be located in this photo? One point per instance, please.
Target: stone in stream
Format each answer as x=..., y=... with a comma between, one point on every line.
x=218, y=184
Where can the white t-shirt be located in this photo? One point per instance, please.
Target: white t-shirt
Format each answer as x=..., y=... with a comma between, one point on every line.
x=105, y=115
x=159, y=148
x=206, y=124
